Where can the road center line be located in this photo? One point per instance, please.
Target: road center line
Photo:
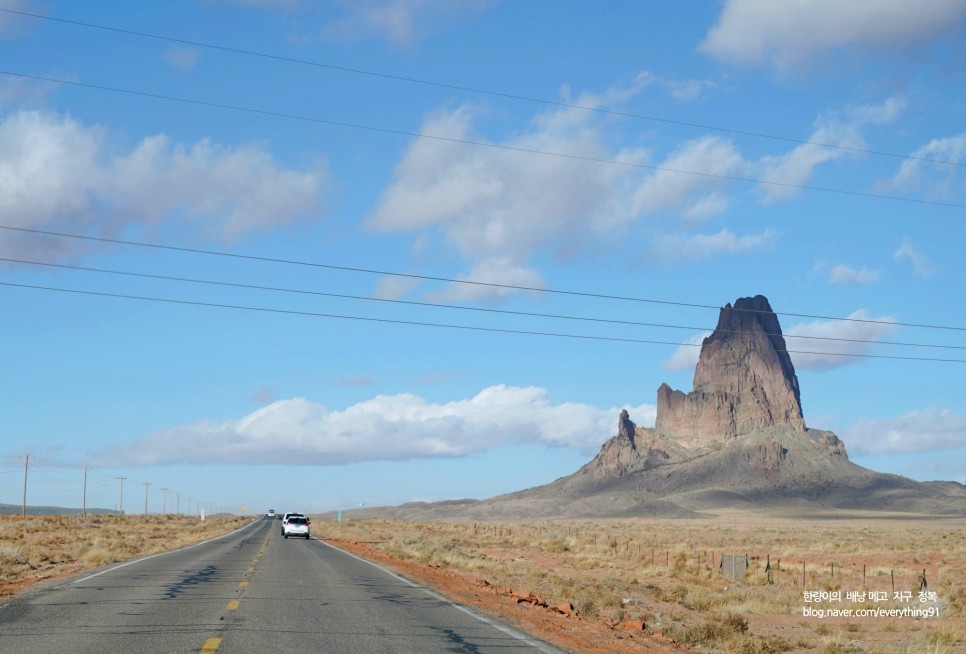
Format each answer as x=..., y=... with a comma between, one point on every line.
x=210, y=646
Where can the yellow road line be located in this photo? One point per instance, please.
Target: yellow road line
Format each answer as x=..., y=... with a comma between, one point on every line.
x=232, y=605
x=243, y=584
x=210, y=646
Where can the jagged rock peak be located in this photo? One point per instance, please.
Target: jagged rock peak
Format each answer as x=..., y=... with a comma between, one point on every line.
x=626, y=426
x=744, y=381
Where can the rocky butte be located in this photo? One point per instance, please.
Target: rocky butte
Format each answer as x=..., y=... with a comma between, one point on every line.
x=744, y=381
x=737, y=440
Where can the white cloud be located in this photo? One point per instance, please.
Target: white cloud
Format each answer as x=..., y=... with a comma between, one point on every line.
x=688, y=90
x=509, y=202
x=693, y=196
x=504, y=204
x=686, y=355
x=385, y=428
x=394, y=287
x=858, y=335
x=401, y=22
x=917, y=431
x=10, y=24
x=850, y=276
x=21, y=91
x=789, y=34
x=58, y=173
x=936, y=180
x=492, y=202
x=840, y=129
x=920, y=263
x=676, y=248
x=491, y=270
x=183, y=59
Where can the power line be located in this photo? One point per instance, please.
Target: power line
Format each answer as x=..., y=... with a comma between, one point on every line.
x=469, y=89
x=371, y=271
x=529, y=314
x=443, y=325
x=484, y=144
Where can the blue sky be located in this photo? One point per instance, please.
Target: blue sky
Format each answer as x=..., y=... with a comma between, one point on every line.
x=680, y=155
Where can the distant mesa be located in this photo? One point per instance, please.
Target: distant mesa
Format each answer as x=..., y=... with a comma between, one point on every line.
x=737, y=440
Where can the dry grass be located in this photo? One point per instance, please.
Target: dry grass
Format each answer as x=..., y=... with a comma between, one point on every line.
x=44, y=547
x=666, y=573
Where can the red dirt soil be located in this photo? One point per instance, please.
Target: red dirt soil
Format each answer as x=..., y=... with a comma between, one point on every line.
x=522, y=609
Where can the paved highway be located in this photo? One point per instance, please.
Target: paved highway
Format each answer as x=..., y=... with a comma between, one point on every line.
x=245, y=593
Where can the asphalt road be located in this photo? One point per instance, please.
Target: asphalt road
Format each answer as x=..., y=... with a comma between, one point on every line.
x=249, y=592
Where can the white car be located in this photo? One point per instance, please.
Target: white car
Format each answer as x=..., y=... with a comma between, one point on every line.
x=295, y=525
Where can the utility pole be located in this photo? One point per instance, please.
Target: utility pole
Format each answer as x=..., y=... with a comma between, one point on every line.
x=26, y=462
x=179, y=503
x=164, y=501
x=189, y=505
x=84, y=502
x=146, y=484
x=121, y=503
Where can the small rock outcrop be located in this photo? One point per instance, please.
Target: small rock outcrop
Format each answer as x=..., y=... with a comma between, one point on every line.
x=744, y=382
x=632, y=449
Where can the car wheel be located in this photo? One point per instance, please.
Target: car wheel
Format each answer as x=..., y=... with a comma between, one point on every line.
x=285, y=536
x=307, y=536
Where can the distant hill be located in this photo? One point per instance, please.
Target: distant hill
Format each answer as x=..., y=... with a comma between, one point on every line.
x=737, y=441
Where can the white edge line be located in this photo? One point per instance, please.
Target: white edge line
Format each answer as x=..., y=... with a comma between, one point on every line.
x=529, y=640
x=154, y=556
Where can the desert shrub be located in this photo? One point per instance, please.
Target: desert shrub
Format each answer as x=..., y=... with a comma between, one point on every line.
x=745, y=643
x=587, y=606
x=956, y=603
x=11, y=555
x=719, y=629
x=674, y=593
x=735, y=622
x=680, y=561
x=701, y=599
x=97, y=555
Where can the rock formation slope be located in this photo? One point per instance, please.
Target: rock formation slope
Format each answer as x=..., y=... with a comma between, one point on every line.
x=737, y=440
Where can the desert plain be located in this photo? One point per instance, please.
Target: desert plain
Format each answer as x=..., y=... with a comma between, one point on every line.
x=634, y=585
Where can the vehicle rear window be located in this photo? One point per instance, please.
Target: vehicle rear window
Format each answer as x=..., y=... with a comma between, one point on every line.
x=296, y=521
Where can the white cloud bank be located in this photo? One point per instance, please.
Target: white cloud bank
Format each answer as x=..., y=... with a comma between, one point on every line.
x=917, y=431
x=385, y=428
x=791, y=33
x=59, y=174
x=498, y=206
